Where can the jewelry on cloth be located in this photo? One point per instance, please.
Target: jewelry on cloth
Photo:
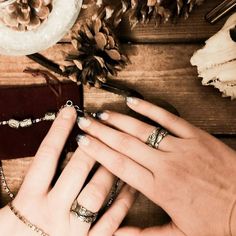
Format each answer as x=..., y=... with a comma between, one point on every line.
x=156, y=137
x=49, y=116
x=25, y=221
x=4, y=182
x=83, y=214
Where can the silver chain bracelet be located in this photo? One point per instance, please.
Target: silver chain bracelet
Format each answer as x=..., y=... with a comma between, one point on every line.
x=4, y=182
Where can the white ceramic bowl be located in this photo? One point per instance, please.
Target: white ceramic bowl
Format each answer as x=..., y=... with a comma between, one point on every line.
x=61, y=19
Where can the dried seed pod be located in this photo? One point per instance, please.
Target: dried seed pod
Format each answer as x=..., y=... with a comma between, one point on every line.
x=97, y=54
x=144, y=10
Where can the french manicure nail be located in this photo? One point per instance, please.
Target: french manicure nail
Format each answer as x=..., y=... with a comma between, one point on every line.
x=83, y=122
x=132, y=100
x=82, y=140
x=102, y=115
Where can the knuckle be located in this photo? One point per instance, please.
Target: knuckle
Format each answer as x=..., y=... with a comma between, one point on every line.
x=172, y=119
x=84, y=167
x=118, y=164
x=110, y=222
x=97, y=147
x=61, y=126
x=123, y=142
x=96, y=191
x=124, y=204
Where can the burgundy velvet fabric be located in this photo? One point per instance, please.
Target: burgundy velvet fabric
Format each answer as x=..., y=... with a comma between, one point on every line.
x=32, y=102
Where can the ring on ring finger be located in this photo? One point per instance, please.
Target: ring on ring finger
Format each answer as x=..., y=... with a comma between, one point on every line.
x=83, y=214
x=156, y=137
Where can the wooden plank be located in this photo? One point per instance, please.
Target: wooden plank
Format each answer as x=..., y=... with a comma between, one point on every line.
x=194, y=29
x=157, y=71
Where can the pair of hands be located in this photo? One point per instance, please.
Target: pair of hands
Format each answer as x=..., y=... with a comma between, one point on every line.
x=48, y=207
x=192, y=176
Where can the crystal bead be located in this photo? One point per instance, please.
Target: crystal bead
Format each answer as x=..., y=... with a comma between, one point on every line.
x=26, y=123
x=50, y=116
x=15, y=124
x=37, y=120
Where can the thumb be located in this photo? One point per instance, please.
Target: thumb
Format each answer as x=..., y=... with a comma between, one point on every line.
x=166, y=230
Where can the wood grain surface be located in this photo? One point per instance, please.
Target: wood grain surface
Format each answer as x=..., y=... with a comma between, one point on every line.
x=159, y=68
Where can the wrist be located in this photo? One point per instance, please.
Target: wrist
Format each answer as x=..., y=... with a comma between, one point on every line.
x=232, y=222
x=7, y=222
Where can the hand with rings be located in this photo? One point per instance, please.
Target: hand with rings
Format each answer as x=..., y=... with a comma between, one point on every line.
x=187, y=172
x=64, y=208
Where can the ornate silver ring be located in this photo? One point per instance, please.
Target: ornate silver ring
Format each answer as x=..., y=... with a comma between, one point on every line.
x=156, y=137
x=83, y=214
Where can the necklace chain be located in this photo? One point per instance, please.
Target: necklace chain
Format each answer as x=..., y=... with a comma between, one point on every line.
x=49, y=116
x=4, y=182
x=16, y=124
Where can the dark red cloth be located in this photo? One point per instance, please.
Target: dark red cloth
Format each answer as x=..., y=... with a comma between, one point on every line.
x=32, y=102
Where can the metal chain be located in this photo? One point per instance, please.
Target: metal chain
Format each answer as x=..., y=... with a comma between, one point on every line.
x=26, y=222
x=49, y=116
x=15, y=124
x=4, y=182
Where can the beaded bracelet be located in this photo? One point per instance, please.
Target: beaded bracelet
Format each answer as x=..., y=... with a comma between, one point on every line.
x=26, y=222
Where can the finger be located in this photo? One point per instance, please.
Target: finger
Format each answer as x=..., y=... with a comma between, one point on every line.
x=114, y=216
x=94, y=195
x=72, y=179
x=121, y=142
x=120, y=165
x=169, y=121
x=45, y=162
x=137, y=129
x=166, y=230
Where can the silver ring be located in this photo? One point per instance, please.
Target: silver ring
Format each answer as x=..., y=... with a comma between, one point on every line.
x=156, y=137
x=83, y=214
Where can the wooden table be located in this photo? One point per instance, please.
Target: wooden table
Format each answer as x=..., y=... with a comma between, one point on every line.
x=160, y=68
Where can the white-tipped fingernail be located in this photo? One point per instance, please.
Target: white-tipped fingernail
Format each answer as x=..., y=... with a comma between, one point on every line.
x=132, y=100
x=103, y=116
x=82, y=140
x=83, y=122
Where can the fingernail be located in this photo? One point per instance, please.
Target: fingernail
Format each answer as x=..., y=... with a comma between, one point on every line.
x=102, y=115
x=132, y=100
x=83, y=122
x=67, y=113
x=82, y=140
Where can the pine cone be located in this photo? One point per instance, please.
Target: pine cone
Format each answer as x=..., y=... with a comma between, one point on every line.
x=145, y=10
x=97, y=55
x=25, y=15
